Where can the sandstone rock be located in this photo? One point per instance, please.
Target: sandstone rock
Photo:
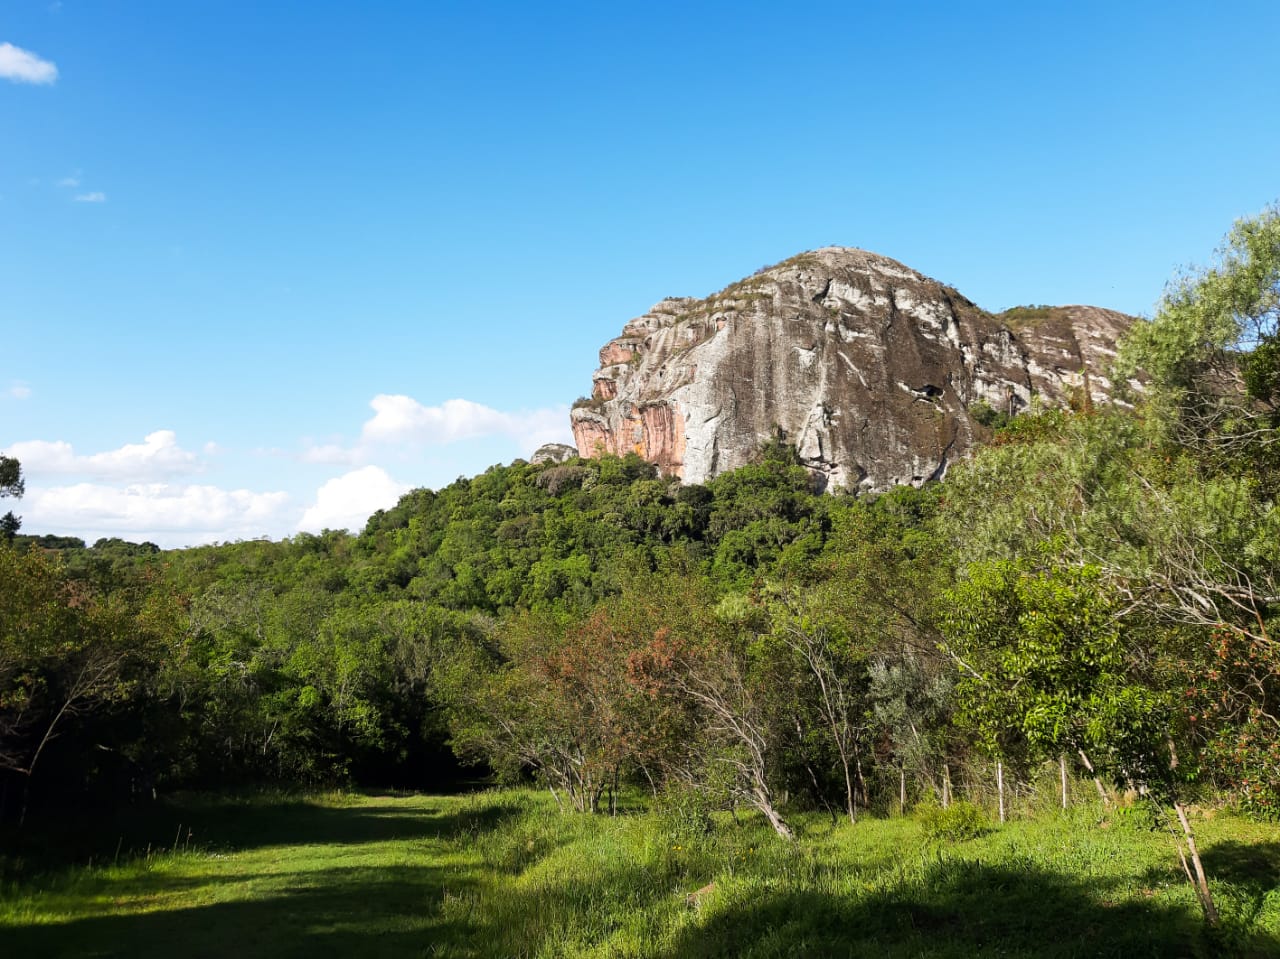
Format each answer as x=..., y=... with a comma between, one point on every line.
x=871, y=369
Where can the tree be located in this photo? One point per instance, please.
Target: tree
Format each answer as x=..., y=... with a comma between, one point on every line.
x=66, y=653
x=11, y=484
x=831, y=671
x=535, y=698
x=700, y=667
x=730, y=728
x=1174, y=512
x=1211, y=354
x=1047, y=667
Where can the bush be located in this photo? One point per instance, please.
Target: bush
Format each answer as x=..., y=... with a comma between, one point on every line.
x=960, y=820
x=1142, y=815
x=685, y=814
x=985, y=414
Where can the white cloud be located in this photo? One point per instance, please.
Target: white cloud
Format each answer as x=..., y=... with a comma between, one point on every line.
x=97, y=196
x=347, y=501
x=156, y=457
x=402, y=419
x=20, y=391
x=165, y=514
x=69, y=181
x=22, y=66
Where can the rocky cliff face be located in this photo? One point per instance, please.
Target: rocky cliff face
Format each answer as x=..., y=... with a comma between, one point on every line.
x=874, y=371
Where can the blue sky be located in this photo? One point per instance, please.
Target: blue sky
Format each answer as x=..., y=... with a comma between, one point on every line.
x=265, y=265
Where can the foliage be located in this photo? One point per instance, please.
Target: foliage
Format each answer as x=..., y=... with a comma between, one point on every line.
x=67, y=656
x=11, y=484
x=959, y=821
x=1211, y=317
x=1045, y=669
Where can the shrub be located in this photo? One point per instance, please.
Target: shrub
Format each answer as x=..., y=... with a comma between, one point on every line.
x=1141, y=815
x=960, y=820
x=685, y=814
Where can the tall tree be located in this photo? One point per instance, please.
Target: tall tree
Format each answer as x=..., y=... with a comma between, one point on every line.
x=1047, y=666
x=11, y=484
x=1211, y=354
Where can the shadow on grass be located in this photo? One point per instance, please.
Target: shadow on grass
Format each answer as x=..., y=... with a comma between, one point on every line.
x=391, y=912
x=1252, y=871
x=956, y=909
x=1251, y=866
x=231, y=825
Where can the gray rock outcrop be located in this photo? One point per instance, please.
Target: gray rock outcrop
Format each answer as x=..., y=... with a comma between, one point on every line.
x=553, y=453
x=876, y=373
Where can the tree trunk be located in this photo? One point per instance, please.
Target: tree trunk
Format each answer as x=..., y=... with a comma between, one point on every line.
x=778, y=823
x=653, y=786
x=851, y=804
x=1201, y=883
x=1062, y=770
x=1000, y=786
x=1102, y=793
x=946, y=786
x=764, y=803
x=902, y=790
x=819, y=795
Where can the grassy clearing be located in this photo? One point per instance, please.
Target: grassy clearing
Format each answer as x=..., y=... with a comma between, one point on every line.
x=504, y=874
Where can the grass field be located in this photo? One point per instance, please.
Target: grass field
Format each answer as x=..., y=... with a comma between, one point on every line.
x=504, y=874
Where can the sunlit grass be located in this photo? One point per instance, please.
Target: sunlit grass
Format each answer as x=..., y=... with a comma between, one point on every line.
x=505, y=874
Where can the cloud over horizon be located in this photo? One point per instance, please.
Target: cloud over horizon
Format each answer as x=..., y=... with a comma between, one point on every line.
x=402, y=419
x=144, y=490
x=347, y=501
x=23, y=66
x=157, y=457
x=166, y=514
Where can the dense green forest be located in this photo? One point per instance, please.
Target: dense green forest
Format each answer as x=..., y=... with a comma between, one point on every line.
x=1093, y=596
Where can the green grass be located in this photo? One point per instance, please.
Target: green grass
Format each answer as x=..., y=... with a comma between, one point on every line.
x=504, y=874
x=1020, y=318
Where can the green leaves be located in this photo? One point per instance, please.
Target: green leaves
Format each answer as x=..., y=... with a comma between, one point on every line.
x=1046, y=666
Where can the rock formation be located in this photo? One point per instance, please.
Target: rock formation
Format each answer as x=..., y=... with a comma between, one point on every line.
x=878, y=374
x=553, y=453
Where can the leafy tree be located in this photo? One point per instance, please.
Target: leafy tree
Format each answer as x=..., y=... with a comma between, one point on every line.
x=66, y=655
x=529, y=701
x=11, y=484
x=830, y=677
x=1215, y=331
x=1047, y=667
